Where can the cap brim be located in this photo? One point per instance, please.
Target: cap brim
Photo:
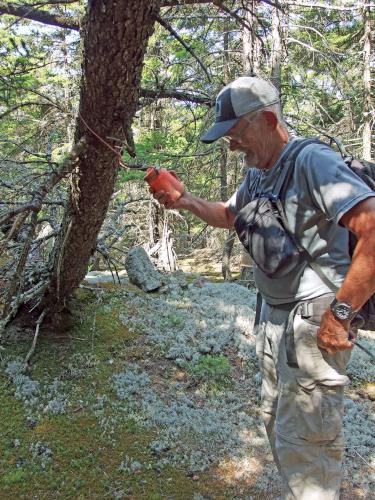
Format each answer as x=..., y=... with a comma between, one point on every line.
x=218, y=130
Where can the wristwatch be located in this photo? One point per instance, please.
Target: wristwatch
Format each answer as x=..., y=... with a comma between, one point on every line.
x=342, y=310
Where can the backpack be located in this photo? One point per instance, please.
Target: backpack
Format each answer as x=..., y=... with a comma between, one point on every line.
x=366, y=171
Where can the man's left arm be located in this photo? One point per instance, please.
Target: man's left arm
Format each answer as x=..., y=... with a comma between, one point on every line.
x=359, y=283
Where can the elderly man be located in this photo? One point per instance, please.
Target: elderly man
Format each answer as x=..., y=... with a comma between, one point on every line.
x=303, y=327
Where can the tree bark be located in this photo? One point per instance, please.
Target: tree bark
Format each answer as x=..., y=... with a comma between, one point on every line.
x=115, y=39
x=229, y=242
x=276, y=53
x=250, y=41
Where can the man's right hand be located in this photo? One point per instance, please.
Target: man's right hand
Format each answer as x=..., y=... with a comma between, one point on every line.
x=215, y=213
x=163, y=199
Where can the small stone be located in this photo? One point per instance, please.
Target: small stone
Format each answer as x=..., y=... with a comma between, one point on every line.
x=369, y=390
x=180, y=375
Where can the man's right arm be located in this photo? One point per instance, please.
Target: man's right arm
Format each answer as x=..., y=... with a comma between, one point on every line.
x=215, y=213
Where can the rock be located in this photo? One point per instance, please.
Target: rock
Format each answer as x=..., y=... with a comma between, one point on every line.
x=141, y=272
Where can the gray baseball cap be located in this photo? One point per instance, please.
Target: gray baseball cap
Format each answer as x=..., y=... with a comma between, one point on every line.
x=245, y=94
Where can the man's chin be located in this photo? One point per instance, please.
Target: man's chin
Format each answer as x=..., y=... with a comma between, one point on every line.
x=251, y=161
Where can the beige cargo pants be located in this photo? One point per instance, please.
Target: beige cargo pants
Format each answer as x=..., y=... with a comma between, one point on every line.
x=302, y=399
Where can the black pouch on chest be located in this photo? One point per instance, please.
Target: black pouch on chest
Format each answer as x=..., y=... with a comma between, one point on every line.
x=261, y=230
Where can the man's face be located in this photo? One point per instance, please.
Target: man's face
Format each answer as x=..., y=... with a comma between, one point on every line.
x=251, y=137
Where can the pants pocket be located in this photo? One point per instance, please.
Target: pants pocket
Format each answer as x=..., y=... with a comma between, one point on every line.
x=311, y=415
x=314, y=365
x=319, y=413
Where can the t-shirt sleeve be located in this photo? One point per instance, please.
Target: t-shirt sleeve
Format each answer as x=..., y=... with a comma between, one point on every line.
x=333, y=186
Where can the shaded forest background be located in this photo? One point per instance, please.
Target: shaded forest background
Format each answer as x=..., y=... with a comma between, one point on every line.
x=91, y=91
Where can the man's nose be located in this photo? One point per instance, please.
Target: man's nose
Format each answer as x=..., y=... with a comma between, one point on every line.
x=233, y=145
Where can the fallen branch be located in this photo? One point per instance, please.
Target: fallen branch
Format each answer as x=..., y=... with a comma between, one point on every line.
x=33, y=345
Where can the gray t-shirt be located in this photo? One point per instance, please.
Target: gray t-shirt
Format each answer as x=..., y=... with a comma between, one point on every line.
x=321, y=191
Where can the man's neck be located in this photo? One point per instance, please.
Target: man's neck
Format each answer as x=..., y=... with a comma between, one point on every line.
x=281, y=140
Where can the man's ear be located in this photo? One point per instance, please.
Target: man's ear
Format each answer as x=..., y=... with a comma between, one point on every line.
x=270, y=119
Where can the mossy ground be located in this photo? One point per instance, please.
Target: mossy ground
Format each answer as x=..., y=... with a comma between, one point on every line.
x=95, y=448
x=85, y=463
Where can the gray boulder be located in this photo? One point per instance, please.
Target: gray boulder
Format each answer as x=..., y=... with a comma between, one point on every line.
x=141, y=271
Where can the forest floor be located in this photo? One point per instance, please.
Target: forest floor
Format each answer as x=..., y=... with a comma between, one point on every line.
x=154, y=396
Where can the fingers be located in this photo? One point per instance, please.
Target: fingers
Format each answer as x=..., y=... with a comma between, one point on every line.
x=332, y=344
x=162, y=197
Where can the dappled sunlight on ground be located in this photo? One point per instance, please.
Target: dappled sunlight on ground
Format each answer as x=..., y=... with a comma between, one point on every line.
x=154, y=396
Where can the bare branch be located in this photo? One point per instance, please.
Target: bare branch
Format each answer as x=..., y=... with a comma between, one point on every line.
x=174, y=33
x=41, y=16
x=181, y=3
x=235, y=16
x=23, y=105
x=33, y=345
x=31, y=12
x=175, y=94
x=325, y=6
x=36, y=203
x=17, y=281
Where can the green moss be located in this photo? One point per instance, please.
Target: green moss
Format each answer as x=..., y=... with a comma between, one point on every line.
x=211, y=371
x=16, y=476
x=85, y=461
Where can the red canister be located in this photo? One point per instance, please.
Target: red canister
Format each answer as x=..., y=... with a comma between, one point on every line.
x=160, y=179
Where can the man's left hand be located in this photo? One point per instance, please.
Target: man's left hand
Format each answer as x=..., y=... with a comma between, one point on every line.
x=333, y=334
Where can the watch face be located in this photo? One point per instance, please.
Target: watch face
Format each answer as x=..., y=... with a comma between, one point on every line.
x=342, y=310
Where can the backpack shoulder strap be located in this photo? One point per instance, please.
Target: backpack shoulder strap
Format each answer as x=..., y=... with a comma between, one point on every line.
x=288, y=165
x=287, y=170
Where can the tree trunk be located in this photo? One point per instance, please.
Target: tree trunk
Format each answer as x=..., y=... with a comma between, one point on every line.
x=367, y=118
x=229, y=242
x=250, y=40
x=115, y=38
x=276, y=53
x=251, y=56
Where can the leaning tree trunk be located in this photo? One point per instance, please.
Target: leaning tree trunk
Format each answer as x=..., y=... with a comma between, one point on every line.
x=115, y=38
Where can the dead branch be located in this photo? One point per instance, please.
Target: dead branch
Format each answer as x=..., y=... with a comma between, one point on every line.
x=22, y=105
x=41, y=16
x=181, y=3
x=174, y=94
x=36, y=203
x=174, y=33
x=16, y=226
x=33, y=345
x=325, y=6
x=17, y=279
x=60, y=21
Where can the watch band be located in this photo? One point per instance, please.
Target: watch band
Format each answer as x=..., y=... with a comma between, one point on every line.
x=345, y=305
